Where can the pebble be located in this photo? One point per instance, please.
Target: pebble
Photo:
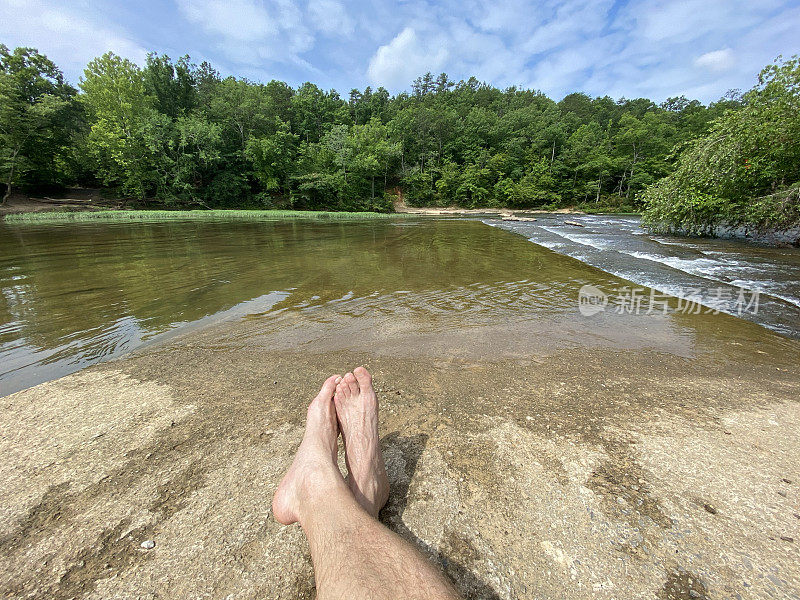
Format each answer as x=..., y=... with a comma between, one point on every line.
x=786, y=538
x=148, y=544
x=775, y=580
x=694, y=593
x=782, y=493
x=786, y=480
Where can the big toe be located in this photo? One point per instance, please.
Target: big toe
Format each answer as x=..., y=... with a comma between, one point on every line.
x=319, y=410
x=328, y=388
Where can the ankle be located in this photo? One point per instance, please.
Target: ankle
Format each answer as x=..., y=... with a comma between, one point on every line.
x=321, y=485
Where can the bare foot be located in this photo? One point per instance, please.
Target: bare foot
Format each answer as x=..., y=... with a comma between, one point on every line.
x=314, y=471
x=357, y=412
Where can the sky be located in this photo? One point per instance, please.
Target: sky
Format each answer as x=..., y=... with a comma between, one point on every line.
x=621, y=48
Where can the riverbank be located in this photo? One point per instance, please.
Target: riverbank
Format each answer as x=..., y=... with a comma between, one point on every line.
x=88, y=204
x=193, y=215
x=527, y=465
x=72, y=200
x=465, y=212
x=82, y=205
x=401, y=208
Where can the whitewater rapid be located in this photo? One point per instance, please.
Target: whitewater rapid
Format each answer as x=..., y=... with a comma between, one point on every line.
x=717, y=273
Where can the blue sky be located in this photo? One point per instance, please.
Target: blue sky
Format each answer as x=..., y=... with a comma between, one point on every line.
x=651, y=48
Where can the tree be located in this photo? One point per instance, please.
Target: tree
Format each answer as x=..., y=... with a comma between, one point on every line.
x=181, y=134
x=315, y=111
x=639, y=143
x=197, y=154
x=587, y=155
x=173, y=86
x=35, y=107
x=127, y=138
x=745, y=172
x=273, y=157
x=372, y=152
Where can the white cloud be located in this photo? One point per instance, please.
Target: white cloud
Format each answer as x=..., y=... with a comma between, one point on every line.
x=646, y=48
x=565, y=68
x=397, y=63
x=250, y=31
x=236, y=19
x=67, y=38
x=546, y=45
x=505, y=16
x=716, y=60
x=569, y=22
x=329, y=16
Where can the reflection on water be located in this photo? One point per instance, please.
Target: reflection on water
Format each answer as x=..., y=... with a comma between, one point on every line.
x=75, y=294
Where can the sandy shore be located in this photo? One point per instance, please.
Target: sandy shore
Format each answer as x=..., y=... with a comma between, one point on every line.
x=73, y=200
x=464, y=212
x=541, y=471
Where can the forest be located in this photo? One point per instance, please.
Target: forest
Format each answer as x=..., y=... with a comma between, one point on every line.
x=174, y=134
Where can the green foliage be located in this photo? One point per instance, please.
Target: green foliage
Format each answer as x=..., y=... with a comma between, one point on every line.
x=173, y=86
x=272, y=157
x=127, y=134
x=745, y=172
x=177, y=134
x=37, y=116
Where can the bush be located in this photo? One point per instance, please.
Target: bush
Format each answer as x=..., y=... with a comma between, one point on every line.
x=745, y=172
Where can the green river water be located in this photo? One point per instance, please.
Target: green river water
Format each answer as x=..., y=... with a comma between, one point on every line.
x=76, y=294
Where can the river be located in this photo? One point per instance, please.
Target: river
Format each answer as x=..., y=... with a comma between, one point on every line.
x=722, y=274
x=75, y=294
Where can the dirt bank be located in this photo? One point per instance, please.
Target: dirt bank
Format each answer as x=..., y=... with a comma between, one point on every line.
x=455, y=211
x=541, y=473
x=400, y=206
x=74, y=199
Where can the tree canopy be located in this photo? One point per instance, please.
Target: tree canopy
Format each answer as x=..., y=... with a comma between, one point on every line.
x=180, y=134
x=39, y=119
x=745, y=171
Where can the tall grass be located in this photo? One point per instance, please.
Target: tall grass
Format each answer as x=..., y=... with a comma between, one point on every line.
x=197, y=215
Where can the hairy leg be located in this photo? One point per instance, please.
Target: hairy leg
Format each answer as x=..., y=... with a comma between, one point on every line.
x=354, y=555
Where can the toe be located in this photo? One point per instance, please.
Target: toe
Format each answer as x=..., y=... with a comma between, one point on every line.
x=363, y=378
x=330, y=385
x=328, y=388
x=342, y=391
x=352, y=384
